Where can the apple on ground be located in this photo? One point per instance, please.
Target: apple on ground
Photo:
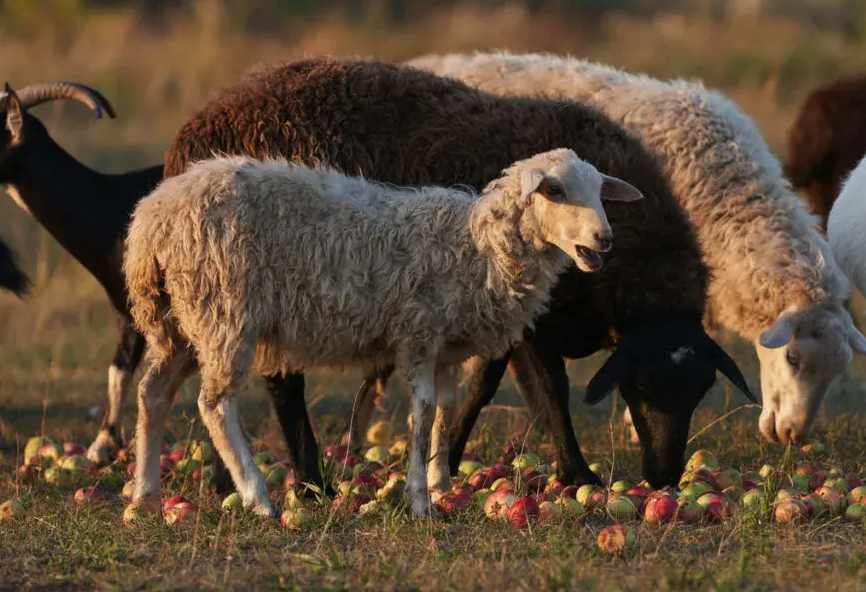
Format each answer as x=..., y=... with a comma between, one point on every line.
x=814, y=447
x=10, y=509
x=177, y=454
x=832, y=499
x=451, y=501
x=480, y=497
x=527, y=460
x=815, y=504
x=621, y=486
x=378, y=454
x=187, y=466
x=89, y=493
x=296, y=518
x=202, y=451
x=817, y=479
x=702, y=458
x=570, y=507
x=620, y=507
x=591, y=497
x=533, y=481
x=569, y=492
x=172, y=502
x=523, y=511
x=839, y=484
x=724, y=478
x=660, y=509
x=264, y=457
x=615, y=539
x=398, y=448
x=180, y=511
x=689, y=510
x=856, y=512
x=233, y=501
x=497, y=503
x=695, y=490
x=469, y=467
x=854, y=480
x=753, y=500
x=503, y=483
x=790, y=511
x=857, y=495
x=548, y=511
x=31, y=449
x=127, y=491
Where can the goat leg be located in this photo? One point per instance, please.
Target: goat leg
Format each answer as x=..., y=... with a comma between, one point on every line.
x=126, y=359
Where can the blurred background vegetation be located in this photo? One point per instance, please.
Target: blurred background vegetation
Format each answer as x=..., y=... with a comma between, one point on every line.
x=157, y=59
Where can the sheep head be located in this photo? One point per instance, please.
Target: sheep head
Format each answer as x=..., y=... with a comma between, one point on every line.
x=663, y=369
x=564, y=194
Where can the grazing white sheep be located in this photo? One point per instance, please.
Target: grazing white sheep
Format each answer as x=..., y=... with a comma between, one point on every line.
x=846, y=224
x=237, y=262
x=775, y=281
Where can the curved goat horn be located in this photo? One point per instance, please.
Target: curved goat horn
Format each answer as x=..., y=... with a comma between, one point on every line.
x=36, y=94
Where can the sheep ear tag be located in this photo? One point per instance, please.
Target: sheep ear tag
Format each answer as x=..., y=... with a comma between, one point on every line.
x=614, y=189
x=615, y=368
x=530, y=181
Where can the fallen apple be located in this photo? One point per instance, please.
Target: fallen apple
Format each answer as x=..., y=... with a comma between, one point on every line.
x=857, y=495
x=179, y=512
x=127, y=491
x=621, y=486
x=233, y=501
x=548, y=511
x=702, y=458
x=202, y=451
x=753, y=500
x=523, y=511
x=497, y=503
x=615, y=539
x=469, y=467
x=87, y=494
x=695, y=490
x=660, y=509
x=570, y=507
x=620, y=507
x=173, y=501
x=724, y=478
x=689, y=510
x=790, y=510
x=31, y=449
x=10, y=509
x=379, y=454
x=527, y=460
x=832, y=499
x=296, y=518
x=856, y=512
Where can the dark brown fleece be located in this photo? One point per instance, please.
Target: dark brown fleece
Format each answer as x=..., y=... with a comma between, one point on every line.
x=401, y=125
x=827, y=141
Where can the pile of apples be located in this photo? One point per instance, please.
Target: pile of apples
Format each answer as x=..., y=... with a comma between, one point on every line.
x=519, y=490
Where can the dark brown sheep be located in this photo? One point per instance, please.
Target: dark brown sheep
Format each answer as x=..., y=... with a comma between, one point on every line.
x=827, y=141
x=404, y=126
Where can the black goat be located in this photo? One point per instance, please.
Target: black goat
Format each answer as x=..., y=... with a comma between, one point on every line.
x=84, y=210
x=11, y=277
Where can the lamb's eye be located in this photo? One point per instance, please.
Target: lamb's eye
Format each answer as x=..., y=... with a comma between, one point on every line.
x=793, y=358
x=554, y=189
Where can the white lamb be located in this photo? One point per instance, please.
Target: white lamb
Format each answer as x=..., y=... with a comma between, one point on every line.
x=846, y=224
x=238, y=263
x=775, y=281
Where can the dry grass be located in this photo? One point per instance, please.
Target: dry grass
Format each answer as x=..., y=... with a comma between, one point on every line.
x=56, y=346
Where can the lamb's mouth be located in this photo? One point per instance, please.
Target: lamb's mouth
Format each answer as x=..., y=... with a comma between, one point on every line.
x=591, y=259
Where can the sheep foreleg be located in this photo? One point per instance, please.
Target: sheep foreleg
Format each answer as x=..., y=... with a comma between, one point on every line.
x=422, y=381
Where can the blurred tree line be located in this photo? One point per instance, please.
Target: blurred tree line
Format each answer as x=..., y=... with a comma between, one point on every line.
x=844, y=16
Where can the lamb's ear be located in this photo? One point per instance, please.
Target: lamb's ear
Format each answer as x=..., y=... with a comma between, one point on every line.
x=530, y=180
x=14, y=117
x=614, y=189
x=856, y=340
x=782, y=330
x=726, y=365
x=617, y=366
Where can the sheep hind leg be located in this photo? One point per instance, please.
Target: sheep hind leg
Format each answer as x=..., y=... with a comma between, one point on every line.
x=156, y=392
x=438, y=474
x=422, y=382
x=218, y=407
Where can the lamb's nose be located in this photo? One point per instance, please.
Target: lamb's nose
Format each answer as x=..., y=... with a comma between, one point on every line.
x=605, y=242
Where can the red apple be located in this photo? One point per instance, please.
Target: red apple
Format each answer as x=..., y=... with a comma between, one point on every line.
x=451, y=501
x=569, y=492
x=177, y=454
x=533, y=481
x=172, y=502
x=791, y=510
x=89, y=493
x=832, y=498
x=522, y=511
x=660, y=509
x=816, y=479
x=180, y=511
x=497, y=503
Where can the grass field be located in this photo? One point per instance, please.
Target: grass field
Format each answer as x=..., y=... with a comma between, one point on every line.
x=56, y=346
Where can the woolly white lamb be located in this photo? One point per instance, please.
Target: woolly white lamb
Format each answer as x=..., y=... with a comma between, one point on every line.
x=845, y=227
x=238, y=263
x=775, y=281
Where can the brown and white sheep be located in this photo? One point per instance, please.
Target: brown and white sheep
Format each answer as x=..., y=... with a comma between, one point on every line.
x=238, y=262
x=775, y=281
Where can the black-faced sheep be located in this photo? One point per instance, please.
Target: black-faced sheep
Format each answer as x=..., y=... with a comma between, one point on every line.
x=845, y=227
x=775, y=281
x=827, y=140
x=84, y=210
x=408, y=127
x=238, y=262
x=11, y=277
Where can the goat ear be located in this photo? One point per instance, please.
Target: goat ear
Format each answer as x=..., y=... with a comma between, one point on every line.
x=14, y=117
x=782, y=331
x=530, y=180
x=614, y=189
x=727, y=366
x=617, y=366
